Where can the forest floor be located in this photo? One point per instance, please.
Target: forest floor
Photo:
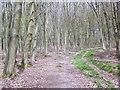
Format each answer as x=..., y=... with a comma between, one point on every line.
x=54, y=71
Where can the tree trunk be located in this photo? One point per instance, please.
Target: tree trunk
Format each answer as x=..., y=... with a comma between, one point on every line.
x=29, y=38
x=118, y=31
x=9, y=67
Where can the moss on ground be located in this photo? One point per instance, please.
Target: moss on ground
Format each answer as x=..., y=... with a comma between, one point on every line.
x=24, y=66
x=106, y=66
x=89, y=71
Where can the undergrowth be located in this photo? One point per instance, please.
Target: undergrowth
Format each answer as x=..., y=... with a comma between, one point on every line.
x=106, y=66
x=89, y=71
x=24, y=66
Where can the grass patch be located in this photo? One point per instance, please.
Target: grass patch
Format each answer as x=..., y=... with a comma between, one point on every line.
x=85, y=68
x=98, y=84
x=89, y=71
x=106, y=66
x=24, y=66
x=1, y=75
x=82, y=65
x=15, y=74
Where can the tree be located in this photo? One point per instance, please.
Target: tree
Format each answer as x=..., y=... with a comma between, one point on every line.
x=31, y=27
x=9, y=68
x=115, y=22
x=118, y=31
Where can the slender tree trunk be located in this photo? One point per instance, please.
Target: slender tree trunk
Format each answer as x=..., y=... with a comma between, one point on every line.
x=118, y=31
x=45, y=33
x=34, y=49
x=29, y=38
x=107, y=25
x=115, y=23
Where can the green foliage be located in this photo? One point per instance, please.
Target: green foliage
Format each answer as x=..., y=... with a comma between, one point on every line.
x=109, y=67
x=89, y=54
x=114, y=89
x=91, y=73
x=20, y=66
x=27, y=66
x=118, y=70
x=95, y=74
x=2, y=75
x=82, y=65
x=24, y=66
x=15, y=74
x=109, y=83
x=106, y=66
x=98, y=84
x=81, y=53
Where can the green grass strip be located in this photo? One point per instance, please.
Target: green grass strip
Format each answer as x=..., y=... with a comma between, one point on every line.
x=91, y=73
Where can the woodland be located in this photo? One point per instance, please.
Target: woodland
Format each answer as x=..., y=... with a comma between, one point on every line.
x=59, y=44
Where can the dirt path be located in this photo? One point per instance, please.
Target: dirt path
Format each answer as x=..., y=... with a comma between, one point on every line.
x=56, y=71
x=105, y=60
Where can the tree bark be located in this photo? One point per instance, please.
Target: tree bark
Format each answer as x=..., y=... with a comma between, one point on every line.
x=9, y=68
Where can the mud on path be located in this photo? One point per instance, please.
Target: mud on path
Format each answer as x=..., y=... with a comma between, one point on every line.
x=55, y=71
